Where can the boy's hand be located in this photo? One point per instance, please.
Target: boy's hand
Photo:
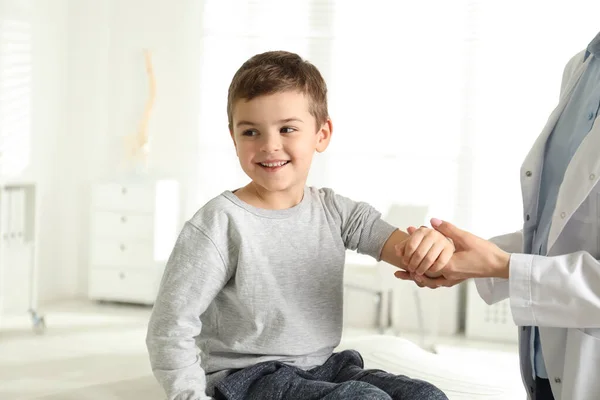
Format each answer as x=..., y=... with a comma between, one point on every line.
x=425, y=252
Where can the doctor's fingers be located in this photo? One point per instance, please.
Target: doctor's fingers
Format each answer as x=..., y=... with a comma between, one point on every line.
x=435, y=283
x=425, y=281
x=418, y=280
x=461, y=239
x=406, y=276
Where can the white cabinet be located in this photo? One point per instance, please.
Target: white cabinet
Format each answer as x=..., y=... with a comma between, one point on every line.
x=133, y=229
x=485, y=322
x=18, y=250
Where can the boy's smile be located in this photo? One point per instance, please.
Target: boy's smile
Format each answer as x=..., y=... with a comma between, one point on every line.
x=273, y=165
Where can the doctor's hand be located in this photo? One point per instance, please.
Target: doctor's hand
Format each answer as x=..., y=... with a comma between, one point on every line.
x=474, y=257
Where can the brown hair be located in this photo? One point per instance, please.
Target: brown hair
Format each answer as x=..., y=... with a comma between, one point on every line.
x=275, y=72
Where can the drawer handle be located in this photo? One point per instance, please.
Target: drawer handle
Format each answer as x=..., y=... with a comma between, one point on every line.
x=123, y=219
x=124, y=190
x=122, y=247
x=121, y=275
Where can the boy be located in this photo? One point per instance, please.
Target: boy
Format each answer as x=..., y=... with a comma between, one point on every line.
x=256, y=276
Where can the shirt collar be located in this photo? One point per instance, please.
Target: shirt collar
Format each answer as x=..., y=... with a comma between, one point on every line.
x=593, y=47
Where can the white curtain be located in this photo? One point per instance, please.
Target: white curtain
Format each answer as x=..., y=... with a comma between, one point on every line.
x=434, y=103
x=15, y=85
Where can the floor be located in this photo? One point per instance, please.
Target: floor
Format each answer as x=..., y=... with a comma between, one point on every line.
x=93, y=351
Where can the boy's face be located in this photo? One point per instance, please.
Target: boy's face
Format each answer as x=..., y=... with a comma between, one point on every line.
x=275, y=137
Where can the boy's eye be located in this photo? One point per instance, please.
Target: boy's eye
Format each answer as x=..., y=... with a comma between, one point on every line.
x=287, y=129
x=249, y=132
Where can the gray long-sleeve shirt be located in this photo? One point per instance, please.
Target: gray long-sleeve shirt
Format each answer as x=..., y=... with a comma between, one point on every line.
x=247, y=285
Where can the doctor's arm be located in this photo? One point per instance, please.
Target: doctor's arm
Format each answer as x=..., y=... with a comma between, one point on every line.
x=493, y=290
x=560, y=291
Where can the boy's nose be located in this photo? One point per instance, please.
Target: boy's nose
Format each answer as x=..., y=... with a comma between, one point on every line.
x=271, y=143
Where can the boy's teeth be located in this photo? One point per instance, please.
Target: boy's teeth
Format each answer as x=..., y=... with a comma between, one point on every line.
x=277, y=164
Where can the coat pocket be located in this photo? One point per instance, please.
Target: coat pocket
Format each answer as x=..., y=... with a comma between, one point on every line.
x=582, y=365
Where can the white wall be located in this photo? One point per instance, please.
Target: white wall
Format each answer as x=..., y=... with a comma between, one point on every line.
x=90, y=87
x=48, y=128
x=90, y=92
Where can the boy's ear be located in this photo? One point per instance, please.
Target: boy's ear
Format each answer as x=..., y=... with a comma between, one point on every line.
x=324, y=136
x=233, y=138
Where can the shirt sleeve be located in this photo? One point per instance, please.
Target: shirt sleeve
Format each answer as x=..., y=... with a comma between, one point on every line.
x=194, y=274
x=361, y=226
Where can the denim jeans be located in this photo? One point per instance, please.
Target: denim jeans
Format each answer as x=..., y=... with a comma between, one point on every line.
x=341, y=377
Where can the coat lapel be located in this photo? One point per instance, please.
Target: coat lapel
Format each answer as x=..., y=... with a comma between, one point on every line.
x=531, y=170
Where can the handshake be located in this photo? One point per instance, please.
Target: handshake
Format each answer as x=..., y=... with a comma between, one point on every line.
x=445, y=255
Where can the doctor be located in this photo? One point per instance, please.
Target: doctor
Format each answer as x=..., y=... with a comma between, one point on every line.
x=550, y=268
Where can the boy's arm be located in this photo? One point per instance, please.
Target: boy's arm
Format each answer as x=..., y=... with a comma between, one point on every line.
x=361, y=226
x=363, y=230
x=194, y=275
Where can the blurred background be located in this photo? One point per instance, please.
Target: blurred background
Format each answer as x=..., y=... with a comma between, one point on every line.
x=113, y=132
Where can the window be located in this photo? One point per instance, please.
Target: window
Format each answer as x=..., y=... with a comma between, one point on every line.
x=515, y=55
x=233, y=31
x=15, y=86
x=434, y=103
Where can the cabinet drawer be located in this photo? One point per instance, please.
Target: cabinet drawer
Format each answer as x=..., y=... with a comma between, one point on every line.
x=134, y=198
x=136, y=286
x=122, y=253
x=111, y=225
